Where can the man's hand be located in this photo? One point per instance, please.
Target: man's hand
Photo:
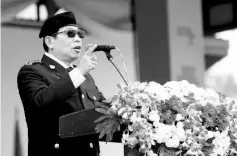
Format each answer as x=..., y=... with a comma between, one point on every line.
x=88, y=60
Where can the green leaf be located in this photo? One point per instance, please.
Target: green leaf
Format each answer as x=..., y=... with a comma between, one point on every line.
x=102, y=118
x=105, y=129
x=109, y=134
x=99, y=127
x=107, y=125
x=101, y=110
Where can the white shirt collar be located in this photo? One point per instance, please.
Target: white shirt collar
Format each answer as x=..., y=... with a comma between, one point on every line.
x=57, y=60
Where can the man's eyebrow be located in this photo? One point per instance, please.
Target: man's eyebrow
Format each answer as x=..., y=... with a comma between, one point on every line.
x=72, y=29
x=67, y=29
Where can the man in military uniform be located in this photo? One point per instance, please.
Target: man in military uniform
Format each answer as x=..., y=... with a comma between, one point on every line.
x=54, y=87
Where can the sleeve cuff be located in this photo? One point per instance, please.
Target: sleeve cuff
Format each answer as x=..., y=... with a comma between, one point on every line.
x=76, y=77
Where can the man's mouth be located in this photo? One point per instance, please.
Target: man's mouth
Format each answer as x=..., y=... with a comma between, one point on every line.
x=77, y=47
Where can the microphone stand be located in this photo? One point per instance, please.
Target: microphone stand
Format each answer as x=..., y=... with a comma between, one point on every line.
x=111, y=59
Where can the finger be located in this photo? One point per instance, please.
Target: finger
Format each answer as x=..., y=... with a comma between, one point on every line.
x=87, y=46
x=93, y=57
x=90, y=49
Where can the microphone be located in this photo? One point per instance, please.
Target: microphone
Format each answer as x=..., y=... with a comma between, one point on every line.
x=105, y=48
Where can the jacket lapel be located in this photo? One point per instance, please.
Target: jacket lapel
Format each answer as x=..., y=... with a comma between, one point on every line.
x=53, y=66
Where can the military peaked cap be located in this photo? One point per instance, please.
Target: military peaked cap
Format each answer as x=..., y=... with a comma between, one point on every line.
x=54, y=23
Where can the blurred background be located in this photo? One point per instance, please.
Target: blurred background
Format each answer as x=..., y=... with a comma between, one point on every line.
x=160, y=40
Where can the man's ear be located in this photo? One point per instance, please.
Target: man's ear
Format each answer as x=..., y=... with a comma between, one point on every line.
x=49, y=40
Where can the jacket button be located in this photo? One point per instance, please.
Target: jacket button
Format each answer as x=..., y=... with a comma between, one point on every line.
x=91, y=145
x=56, y=146
x=83, y=96
x=94, y=97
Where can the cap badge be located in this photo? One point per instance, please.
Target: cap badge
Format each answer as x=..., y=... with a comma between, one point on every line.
x=52, y=66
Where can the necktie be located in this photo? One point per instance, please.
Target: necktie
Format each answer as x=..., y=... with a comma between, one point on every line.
x=69, y=69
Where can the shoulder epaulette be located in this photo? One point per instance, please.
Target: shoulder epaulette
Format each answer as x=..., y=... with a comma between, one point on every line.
x=33, y=62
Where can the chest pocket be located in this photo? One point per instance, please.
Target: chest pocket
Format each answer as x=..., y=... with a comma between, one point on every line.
x=91, y=94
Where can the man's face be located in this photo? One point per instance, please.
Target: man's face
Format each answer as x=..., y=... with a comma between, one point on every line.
x=67, y=44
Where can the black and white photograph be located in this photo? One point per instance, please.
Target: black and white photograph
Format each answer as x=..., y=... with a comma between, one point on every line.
x=118, y=78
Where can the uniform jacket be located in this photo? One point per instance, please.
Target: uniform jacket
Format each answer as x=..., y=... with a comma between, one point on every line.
x=47, y=93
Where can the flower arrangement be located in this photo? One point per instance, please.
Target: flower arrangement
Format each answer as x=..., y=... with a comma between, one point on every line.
x=177, y=118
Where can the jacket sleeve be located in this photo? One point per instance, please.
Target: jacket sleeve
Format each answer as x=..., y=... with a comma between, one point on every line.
x=35, y=89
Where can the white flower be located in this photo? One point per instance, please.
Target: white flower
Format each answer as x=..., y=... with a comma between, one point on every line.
x=170, y=134
x=139, y=124
x=180, y=133
x=180, y=125
x=121, y=110
x=157, y=91
x=172, y=142
x=179, y=117
x=141, y=86
x=163, y=132
x=145, y=110
x=212, y=97
x=199, y=94
x=156, y=124
x=134, y=117
x=210, y=134
x=151, y=153
x=125, y=115
x=132, y=141
x=154, y=116
x=221, y=143
x=189, y=141
x=125, y=137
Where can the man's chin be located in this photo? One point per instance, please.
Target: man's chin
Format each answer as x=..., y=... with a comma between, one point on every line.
x=74, y=57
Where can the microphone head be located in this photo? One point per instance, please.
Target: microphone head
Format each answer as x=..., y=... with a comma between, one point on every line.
x=111, y=47
x=105, y=48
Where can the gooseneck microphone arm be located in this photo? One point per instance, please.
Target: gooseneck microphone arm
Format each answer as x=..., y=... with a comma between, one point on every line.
x=111, y=59
x=106, y=49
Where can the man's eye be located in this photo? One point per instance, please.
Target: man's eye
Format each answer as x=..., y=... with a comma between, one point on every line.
x=71, y=33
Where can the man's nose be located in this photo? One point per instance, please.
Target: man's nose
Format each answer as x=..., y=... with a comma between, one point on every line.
x=77, y=38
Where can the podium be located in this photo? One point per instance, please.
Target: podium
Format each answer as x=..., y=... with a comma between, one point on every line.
x=77, y=134
x=78, y=124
